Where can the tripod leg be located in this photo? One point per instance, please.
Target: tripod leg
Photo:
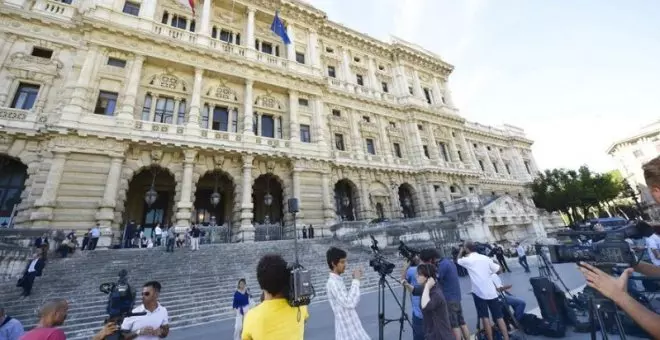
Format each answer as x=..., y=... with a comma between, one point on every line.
x=592, y=320
x=619, y=324
x=601, y=323
x=403, y=313
x=381, y=308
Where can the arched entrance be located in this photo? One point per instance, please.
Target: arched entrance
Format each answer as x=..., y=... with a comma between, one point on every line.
x=214, y=199
x=13, y=174
x=346, y=200
x=150, y=198
x=406, y=199
x=380, y=212
x=267, y=198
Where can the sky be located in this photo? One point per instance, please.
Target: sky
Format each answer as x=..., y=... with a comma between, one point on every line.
x=575, y=75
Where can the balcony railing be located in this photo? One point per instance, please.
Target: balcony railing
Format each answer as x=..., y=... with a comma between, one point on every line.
x=175, y=33
x=19, y=118
x=56, y=9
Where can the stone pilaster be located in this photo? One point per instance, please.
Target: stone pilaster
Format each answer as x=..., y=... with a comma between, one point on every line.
x=196, y=102
x=106, y=212
x=5, y=48
x=386, y=147
x=357, y=145
x=291, y=48
x=45, y=205
x=313, y=46
x=205, y=24
x=373, y=80
x=79, y=100
x=417, y=86
x=437, y=92
x=294, y=128
x=346, y=67
x=329, y=214
x=246, y=231
x=318, y=122
x=184, y=206
x=148, y=9
x=249, y=29
x=127, y=111
x=366, y=212
x=247, y=109
x=397, y=212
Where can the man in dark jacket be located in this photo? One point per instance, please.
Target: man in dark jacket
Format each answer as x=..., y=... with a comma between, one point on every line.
x=32, y=271
x=498, y=252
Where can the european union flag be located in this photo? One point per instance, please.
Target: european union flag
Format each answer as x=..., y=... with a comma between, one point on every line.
x=278, y=28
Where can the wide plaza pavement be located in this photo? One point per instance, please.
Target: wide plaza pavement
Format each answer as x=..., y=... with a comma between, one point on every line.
x=321, y=325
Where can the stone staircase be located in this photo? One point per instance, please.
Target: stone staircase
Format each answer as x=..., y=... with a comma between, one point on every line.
x=197, y=286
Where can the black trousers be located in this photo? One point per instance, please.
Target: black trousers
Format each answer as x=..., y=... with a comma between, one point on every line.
x=28, y=281
x=503, y=264
x=170, y=245
x=92, y=243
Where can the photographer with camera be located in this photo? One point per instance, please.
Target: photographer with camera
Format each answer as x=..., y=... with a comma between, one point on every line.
x=342, y=302
x=154, y=324
x=616, y=288
x=480, y=269
x=274, y=318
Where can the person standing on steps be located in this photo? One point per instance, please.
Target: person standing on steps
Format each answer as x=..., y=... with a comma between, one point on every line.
x=43, y=245
x=241, y=305
x=522, y=257
x=51, y=315
x=171, y=237
x=32, y=271
x=85, y=241
x=159, y=234
x=10, y=328
x=95, y=233
x=499, y=255
x=195, y=233
x=347, y=322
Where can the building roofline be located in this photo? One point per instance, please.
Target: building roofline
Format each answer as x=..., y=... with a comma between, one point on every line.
x=645, y=131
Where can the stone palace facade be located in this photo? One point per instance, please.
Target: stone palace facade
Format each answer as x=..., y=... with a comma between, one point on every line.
x=118, y=110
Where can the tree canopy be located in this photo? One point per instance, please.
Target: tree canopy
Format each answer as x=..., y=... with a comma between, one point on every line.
x=570, y=191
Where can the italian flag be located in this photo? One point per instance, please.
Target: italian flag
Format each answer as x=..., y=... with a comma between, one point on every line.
x=189, y=3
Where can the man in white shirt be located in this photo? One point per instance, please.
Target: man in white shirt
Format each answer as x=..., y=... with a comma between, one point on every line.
x=522, y=257
x=94, y=237
x=152, y=326
x=347, y=321
x=480, y=269
x=159, y=234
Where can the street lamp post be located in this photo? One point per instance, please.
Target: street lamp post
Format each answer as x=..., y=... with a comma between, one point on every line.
x=345, y=202
x=268, y=200
x=406, y=204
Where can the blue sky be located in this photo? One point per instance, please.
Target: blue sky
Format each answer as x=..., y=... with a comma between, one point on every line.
x=576, y=75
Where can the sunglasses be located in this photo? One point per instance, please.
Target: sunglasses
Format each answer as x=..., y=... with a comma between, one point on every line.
x=146, y=293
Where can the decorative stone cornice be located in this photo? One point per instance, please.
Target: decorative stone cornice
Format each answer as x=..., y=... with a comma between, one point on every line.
x=81, y=144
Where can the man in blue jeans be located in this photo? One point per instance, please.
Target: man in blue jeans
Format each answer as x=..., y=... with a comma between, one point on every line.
x=416, y=301
x=516, y=303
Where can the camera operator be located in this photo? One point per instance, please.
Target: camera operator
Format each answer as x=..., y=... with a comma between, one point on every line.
x=480, y=269
x=616, y=288
x=447, y=276
x=155, y=323
x=274, y=318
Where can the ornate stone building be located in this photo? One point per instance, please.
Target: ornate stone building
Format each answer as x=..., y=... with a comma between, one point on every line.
x=115, y=110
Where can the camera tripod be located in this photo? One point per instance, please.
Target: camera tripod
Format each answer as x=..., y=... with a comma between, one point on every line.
x=599, y=308
x=382, y=321
x=546, y=269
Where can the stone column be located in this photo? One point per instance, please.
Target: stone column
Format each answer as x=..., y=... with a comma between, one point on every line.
x=366, y=212
x=400, y=79
x=454, y=149
x=318, y=122
x=386, y=147
x=468, y=152
x=414, y=141
x=196, y=102
x=373, y=80
x=184, y=206
x=246, y=231
x=294, y=128
x=433, y=145
x=313, y=46
x=356, y=143
x=205, y=26
x=5, y=83
x=148, y=9
x=489, y=163
x=417, y=86
x=328, y=209
x=437, y=91
x=6, y=46
x=46, y=203
x=397, y=212
x=105, y=215
x=127, y=111
x=79, y=100
x=249, y=29
x=447, y=92
x=247, y=108
x=291, y=48
x=346, y=67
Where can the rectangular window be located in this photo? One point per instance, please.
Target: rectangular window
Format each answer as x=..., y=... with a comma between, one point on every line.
x=393, y=125
x=304, y=134
x=366, y=119
x=495, y=167
x=68, y=2
x=420, y=127
x=443, y=151
x=234, y=120
x=204, y=122
x=181, y=117
x=303, y=102
x=116, y=62
x=339, y=142
x=385, y=89
x=25, y=96
x=508, y=169
x=131, y=8
x=279, y=128
x=267, y=126
x=527, y=167
x=266, y=47
x=460, y=155
x=426, y=151
x=220, y=118
x=331, y=72
x=300, y=57
x=410, y=90
x=370, y=146
x=481, y=165
x=42, y=52
x=164, y=110
x=106, y=103
x=255, y=124
x=225, y=36
x=397, y=150
x=427, y=95
x=179, y=22
x=336, y=113
x=146, y=108
x=358, y=78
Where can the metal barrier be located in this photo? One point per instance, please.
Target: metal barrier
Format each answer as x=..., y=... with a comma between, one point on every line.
x=268, y=232
x=216, y=234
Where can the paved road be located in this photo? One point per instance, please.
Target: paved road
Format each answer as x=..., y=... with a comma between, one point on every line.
x=321, y=327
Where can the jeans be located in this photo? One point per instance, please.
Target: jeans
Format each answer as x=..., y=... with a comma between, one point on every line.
x=417, y=328
x=517, y=304
x=170, y=245
x=523, y=262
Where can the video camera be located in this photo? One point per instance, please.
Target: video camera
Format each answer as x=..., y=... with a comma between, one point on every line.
x=121, y=299
x=407, y=252
x=481, y=248
x=381, y=265
x=301, y=290
x=611, y=249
